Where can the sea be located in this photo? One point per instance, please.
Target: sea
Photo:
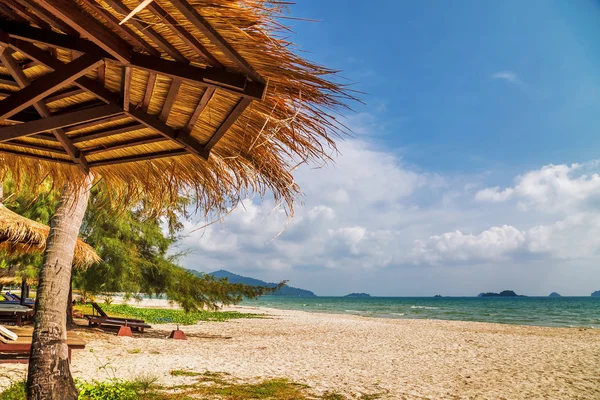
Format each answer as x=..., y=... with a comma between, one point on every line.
x=539, y=311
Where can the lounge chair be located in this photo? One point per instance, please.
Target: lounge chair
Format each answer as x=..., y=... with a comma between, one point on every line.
x=102, y=319
x=15, y=313
x=14, y=299
x=17, y=351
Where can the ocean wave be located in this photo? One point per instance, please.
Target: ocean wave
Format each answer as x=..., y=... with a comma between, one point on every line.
x=425, y=307
x=397, y=313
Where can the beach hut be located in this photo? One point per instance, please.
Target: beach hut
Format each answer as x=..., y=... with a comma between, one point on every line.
x=205, y=97
x=20, y=235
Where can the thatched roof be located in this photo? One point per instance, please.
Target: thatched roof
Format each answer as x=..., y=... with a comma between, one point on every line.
x=22, y=235
x=204, y=95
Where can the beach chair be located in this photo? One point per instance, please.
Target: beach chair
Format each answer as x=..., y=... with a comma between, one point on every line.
x=102, y=319
x=15, y=313
x=17, y=351
x=14, y=299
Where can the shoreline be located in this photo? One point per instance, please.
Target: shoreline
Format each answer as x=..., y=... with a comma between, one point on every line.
x=164, y=303
x=396, y=358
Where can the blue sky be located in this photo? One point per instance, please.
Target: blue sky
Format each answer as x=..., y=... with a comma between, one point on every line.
x=477, y=146
x=428, y=67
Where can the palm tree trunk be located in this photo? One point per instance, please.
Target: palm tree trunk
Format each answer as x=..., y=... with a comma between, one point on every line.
x=49, y=376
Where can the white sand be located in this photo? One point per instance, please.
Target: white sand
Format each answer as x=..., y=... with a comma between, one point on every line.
x=405, y=359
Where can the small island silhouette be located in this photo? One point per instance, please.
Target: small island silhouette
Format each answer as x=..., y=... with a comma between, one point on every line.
x=358, y=295
x=504, y=293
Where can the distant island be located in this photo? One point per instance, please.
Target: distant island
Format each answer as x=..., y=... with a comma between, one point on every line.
x=554, y=294
x=504, y=293
x=438, y=295
x=596, y=293
x=359, y=295
x=286, y=290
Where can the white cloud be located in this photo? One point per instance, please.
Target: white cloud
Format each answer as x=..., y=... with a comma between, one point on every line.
x=553, y=188
x=491, y=244
x=369, y=215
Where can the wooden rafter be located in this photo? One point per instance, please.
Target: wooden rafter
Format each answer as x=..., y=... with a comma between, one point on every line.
x=124, y=144
x=51, y=82
x=122, y=29
x=139, y=157
x=88, y=26
x=22, y=143
x=126, y=87
x=208, y=94
x=58, y=121
x=22, y=12
x=215, y=37
x=47, y=17
x=187, y=37
x=229, y=121
x=35, y=156
x=213, y=77
x=149, y=89
x=94, y=123
x=149, y=32
x=19, y=76
x=106, y=132
x=63, y=94
x=170, y=99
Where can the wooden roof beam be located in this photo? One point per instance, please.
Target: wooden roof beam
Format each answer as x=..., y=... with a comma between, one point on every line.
x=49, y=84
x=215, y=37
x=63, y=94
x=229, y=121
x=139, y=157
x=149, y=32
x=106, y=132
x=187, y=37
x=122, y=29
x=35, y=156
x=58, y=121
x=24, y=13
x=48, y=18
x=50, y=38
x=74, y=153
x=124, y=144
x=24, y=144
x=213, y=77
x=185, y=132
x=89, y=27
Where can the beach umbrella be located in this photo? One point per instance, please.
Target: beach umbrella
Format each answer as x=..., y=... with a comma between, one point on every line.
x=188, y=96
x=20, y=235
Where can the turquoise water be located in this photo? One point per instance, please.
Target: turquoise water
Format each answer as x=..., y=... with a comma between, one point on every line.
x=541, y=311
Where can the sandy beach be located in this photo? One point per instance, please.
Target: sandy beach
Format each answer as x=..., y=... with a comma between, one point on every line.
x=399, y=359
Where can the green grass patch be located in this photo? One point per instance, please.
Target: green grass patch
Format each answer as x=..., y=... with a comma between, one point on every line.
x=16, y=391
x=183, y=372
x=163, y=316
x=207, y=385
x=134, y=351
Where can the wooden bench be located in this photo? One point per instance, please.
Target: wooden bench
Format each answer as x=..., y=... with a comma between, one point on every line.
x=103, y=319
x=17, y=351
x=110, y=321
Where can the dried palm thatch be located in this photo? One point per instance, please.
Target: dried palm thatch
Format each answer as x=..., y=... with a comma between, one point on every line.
x=22, y=235
x=226, y=141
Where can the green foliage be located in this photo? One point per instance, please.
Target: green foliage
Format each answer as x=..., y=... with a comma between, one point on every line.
x=135, y=248
x=16, y=391
x=161, y=315
x=108, y=390
x=39, y=206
